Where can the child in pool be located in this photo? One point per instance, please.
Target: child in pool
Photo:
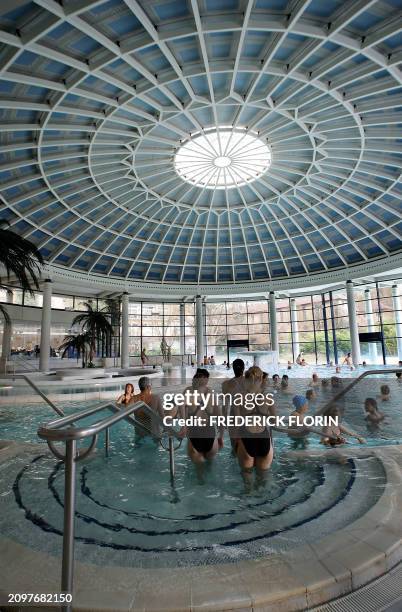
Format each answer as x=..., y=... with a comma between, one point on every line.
x=373, y=415
x=315, y=381
x=385, y=393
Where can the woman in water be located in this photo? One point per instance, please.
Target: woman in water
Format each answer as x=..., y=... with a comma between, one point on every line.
x=254, y=444
x=126, y=397
x=203, y=442
x=337, y=430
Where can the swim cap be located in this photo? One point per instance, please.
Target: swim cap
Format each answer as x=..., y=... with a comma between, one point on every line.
x=299, y=401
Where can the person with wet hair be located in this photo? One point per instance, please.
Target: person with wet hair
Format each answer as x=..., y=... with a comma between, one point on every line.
x=126, y=397
x=373, y=415
x=385, y=393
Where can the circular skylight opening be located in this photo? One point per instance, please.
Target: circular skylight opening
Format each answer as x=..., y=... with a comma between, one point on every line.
x=222, y=158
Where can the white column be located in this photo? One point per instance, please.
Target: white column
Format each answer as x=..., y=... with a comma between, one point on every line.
x=7, y=332
x=294, y=327
x=45, y=326
x=182, y=334
x=273, y=323
x=124, y=352
x=370, y=324
x=398, y=317
x=354, y=331
x=199, y=329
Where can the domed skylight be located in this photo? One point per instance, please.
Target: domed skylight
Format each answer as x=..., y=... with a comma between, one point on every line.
x=110, y=160
x=222, y=158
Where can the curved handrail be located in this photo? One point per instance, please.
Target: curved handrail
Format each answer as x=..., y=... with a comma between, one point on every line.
x=61, y=429
x=354, y=382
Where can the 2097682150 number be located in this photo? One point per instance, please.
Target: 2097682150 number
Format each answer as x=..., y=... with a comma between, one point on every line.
x=46, y=598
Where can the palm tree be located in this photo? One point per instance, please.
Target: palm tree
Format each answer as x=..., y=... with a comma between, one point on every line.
x=95, y=324
x=79, y=343
x=20, y=258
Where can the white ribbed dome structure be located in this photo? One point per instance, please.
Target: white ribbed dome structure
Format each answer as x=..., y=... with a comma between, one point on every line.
x=101, y=103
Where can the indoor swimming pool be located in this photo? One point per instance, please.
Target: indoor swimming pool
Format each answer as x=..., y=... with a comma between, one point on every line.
x=129, y=513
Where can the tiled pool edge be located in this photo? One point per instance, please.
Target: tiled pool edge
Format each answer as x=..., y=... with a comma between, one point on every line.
x=298, y=580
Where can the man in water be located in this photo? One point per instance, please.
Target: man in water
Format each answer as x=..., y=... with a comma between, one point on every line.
x=232, y=387
x=348, y=360
x=144, y=417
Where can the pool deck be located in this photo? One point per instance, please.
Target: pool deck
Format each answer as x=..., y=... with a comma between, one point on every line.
x=297, y=580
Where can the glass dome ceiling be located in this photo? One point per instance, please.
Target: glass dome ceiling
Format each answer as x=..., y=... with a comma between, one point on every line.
x=101, y=100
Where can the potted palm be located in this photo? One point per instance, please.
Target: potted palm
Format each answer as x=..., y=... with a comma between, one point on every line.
x=95, y=326
x=77, y=343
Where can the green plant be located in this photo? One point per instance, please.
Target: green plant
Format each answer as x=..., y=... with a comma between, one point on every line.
x=79, y=343
x=96, y=325
x=20, y=258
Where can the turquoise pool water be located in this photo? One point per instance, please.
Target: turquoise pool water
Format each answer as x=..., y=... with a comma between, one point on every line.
x=129, y=514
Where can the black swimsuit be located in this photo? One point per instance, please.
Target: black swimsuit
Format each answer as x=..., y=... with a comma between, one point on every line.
x=257, y=447
x=257, y=444
x=202, y=437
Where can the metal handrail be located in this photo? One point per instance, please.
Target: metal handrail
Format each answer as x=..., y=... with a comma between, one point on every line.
x=18, y=358
x=43, y=395
x=354, y=382
x=63, y=430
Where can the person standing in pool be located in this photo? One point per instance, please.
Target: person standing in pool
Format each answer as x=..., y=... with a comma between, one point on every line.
x=150, y=420
x=126, y=397
x=203, y=441
x=254, y=448
x=348, y=360
x=232, y=387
